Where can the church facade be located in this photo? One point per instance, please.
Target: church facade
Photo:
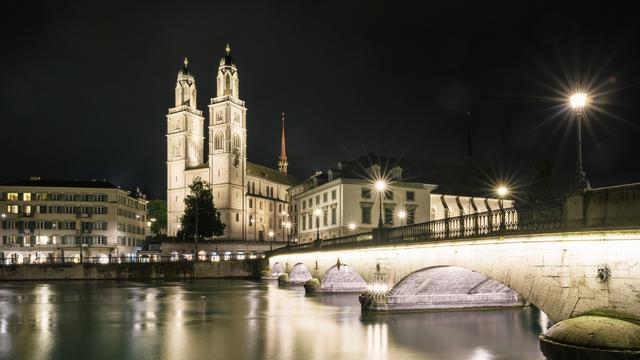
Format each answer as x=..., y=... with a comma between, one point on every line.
x=252, y=199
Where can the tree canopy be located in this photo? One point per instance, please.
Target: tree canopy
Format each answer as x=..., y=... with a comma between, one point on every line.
x=158, y=216
x=199, y=205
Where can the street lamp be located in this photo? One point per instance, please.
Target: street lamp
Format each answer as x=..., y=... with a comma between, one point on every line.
x=287, y=225
x=318, y=212
x=502, y=191
x=380, y=186
x=578, y=102
x=352, y=226
x=402, y=215
x=271, y=238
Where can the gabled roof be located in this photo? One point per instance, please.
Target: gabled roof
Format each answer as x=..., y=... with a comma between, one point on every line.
x=464, y=179
x=270, y=174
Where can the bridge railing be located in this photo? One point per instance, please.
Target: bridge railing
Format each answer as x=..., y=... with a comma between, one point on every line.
x=533, y=218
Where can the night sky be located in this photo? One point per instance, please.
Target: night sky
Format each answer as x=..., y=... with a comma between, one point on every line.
x=86, y=86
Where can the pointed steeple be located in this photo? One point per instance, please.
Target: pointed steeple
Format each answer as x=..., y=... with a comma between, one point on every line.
x=282, y=163
x=228, y=49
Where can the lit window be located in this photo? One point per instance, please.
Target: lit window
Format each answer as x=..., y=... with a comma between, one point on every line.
x=12, y=196
x=366, y=215
x=411, y=196
x=365, y=193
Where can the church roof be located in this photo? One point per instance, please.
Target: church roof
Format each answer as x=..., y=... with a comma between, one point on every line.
x=184, y=72
x=227, y=59
x=269, y=174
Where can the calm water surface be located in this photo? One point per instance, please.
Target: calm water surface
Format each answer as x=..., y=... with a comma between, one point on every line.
x=236, y=319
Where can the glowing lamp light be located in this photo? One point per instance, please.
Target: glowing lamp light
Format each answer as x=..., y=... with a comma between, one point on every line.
x=402, y=214
x=271, y=233
x=287, y=225
x=380, y=185
x=318, y=212
x=352, y=226
x=378, y=288
x=502, y=191
x=578, y=100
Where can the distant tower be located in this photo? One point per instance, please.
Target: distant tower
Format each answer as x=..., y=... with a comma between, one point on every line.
x=185, y=143
x=228, y=147
x=282, y=163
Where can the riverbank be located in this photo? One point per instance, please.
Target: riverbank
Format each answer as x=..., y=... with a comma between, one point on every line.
x=180, y=270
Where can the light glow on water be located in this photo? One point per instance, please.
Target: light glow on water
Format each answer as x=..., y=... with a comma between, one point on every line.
x=238, y=319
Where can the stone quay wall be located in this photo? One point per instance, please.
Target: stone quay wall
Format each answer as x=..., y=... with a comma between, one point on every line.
x=181, y=270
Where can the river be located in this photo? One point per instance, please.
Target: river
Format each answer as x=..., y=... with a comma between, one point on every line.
x=242, y=319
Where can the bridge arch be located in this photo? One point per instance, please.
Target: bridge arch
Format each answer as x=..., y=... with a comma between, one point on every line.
x=342, y=278
x=277, y=269
x=299, y=274
x=448, y=287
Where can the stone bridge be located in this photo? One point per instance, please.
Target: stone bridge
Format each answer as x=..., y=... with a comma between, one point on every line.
x=563, y=274
x=578, y=257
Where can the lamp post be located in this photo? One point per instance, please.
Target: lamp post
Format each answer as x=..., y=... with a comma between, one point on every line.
x=380, y=186
x=502, y=191
x=284, y=220
x=287, y=226
x=578, y=102
x=317, y=212
x=271, y=233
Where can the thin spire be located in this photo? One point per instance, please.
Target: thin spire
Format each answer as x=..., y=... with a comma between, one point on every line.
x=186, y=61
x=227, y=49
x=282, y=163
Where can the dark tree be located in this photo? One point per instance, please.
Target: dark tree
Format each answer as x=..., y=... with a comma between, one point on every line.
x=158, y=216
x=199, y=205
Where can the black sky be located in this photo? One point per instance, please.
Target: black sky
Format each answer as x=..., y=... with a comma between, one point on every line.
x=86, y=85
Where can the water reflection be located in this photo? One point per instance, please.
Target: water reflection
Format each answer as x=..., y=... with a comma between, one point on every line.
x=242, y=320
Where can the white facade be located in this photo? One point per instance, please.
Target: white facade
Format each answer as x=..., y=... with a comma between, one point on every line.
x=347, y=206
x=248, y=196
x=47, y=218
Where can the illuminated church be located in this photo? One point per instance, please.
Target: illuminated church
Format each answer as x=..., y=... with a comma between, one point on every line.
x=252, y=199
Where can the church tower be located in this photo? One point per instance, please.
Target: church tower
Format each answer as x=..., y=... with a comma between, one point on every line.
x=228, y=148
x=185, y=143
x=282, y=160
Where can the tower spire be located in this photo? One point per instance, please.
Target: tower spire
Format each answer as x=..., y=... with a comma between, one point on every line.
x=227, y=49
x=282, y=163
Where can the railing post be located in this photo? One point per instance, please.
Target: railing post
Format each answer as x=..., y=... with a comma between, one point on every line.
x=446, y=227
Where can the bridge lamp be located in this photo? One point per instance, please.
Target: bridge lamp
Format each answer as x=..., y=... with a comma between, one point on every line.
x=318, y=212
x=402, y=215
x=4, y=215
x=578, y=101
x=287, y=225
x=502, y=191
x=271, y=234
x=381, y=185
x=352, y=226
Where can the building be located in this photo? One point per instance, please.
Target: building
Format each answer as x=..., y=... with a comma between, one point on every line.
x=43, y=219
x=251, y=198
x=345, y=200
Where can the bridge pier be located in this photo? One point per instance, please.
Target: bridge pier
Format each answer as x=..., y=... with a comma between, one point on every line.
x=591, y=337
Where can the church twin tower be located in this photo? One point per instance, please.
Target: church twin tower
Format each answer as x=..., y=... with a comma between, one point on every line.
x=234, y=179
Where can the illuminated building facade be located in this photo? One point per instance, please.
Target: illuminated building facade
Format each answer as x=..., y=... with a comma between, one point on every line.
x=43, y=219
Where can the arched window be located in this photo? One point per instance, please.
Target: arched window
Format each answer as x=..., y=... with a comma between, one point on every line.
x=218, y=141
x=236, y=141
